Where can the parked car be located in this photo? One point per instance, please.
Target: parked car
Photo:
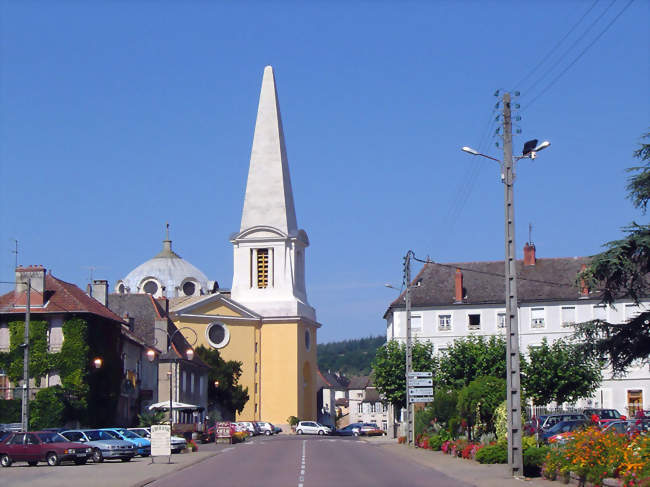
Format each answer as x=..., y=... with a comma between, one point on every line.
x=143, y=446
x=178, y=443
x=604, y=415
x=562, y=431
x=546, y=421
x=103, y=444
x=251, y=427
x=629, y=427
x=353, y=429
x=42, y=446
x=312, y=428
x=276, y=429
x=266, y=428
x=371, y=429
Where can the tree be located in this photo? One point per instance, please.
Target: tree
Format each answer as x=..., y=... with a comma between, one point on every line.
x=223, y=389
x=560, y=372
x=478, y=401
x=469, y=358
x=622, y=271
x=389, y=368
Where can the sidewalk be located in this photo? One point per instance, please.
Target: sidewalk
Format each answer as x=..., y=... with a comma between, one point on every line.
x=467, y=471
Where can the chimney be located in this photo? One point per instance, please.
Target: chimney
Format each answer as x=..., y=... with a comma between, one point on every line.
x=165, y=304
x=584, y=289
x=458, y=297
x=99, y=290
x=37, y=275
x=529, y=254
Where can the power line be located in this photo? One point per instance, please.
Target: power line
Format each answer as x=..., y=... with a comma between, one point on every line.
x=559, y=43
x=581, y=53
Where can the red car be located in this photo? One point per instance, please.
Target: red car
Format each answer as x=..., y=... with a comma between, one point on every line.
x=42, y=446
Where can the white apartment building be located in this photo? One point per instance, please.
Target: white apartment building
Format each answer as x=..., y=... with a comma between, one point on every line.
x=457, y=300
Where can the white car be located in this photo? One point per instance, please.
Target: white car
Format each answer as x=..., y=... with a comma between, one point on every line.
x=266, y=428
x=311, y=428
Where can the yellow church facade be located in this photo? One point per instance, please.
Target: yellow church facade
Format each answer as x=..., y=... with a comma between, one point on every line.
x=264, y=321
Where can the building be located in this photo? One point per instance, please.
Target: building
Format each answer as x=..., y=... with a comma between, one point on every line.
x=265, y=321
x=456, y=300
x=114, y=360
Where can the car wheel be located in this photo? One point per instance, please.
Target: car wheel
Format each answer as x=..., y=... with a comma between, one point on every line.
x=321, y=432
x=97, y=456
x=53, y=459
x=356, y=433
x=126, y=459
x=5, y=461
x=267, y=433
x=32, y=463
x=145, y=454
x=299, y=432
x=80, y=461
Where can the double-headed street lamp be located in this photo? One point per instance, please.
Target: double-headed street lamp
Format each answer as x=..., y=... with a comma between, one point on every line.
x=513, y=399
x=189, y=353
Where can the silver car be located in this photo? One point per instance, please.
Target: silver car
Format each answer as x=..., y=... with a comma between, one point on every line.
x=103, y=444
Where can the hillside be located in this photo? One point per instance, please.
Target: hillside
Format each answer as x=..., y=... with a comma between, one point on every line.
x=351, y=357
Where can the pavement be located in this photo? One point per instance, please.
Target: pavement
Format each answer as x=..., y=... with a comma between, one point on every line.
x=466, y=471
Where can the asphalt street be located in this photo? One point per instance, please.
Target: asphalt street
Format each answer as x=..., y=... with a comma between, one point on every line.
x=308, y=461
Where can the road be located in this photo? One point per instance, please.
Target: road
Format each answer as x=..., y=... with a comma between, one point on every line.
x=308, y=461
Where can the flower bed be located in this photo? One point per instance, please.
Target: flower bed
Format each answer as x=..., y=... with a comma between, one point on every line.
x=593, y=455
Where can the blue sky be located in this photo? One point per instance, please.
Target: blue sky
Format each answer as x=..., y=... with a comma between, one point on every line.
x=116, y=117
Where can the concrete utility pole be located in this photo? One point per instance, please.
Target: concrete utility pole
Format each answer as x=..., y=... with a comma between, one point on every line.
x=25, y=408
x=409, y=358
x=515, y=455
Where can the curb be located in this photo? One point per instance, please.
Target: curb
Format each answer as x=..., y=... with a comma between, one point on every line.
x=149, y=480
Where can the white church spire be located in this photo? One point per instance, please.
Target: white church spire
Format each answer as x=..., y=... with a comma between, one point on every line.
x=269, y=198
x=269, y=249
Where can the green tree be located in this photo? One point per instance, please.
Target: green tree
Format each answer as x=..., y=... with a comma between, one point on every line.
x=46, y=410
x=469, y=358
x=389, y=368
x=478, y=401
x=560, y=372
x=622, y=271
x=351, y=357
x=228, y=394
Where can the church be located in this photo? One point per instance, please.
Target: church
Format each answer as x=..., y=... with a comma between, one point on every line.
x=265, y=320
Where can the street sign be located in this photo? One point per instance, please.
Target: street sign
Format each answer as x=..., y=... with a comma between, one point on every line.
x=420, y=382
x=421, y=391
x=421, y=399
x=160, y=440
x=420, y=374
x=223, y=432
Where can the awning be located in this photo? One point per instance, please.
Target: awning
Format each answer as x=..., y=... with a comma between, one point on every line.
x=180, y=406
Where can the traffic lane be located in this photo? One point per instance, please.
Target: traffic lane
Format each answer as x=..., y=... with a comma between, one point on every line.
x=269, y=461
x=356, y=463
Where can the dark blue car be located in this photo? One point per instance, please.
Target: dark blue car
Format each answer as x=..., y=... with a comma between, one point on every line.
x=353, y=429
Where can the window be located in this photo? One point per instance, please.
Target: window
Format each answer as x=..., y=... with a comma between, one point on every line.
x=385, y=408
x=121, y=289
x=372, y=407
x=501, y=320
x=189, y=288
x=444, y=322
x=184, y=382
x=474, y=322
x=384, y=425
x=307, y=339
x=150, y=287
x=568, y=316
x=537, y=318
x=360, y=408
x=416, y=323
x=262, y=268
x=600, y=312
x=192, y=383
x=217, y=334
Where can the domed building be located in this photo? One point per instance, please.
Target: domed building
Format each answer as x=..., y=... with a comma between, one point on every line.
x=166, y=275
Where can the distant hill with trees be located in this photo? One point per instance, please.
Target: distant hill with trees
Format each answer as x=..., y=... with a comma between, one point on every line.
x=350, y=357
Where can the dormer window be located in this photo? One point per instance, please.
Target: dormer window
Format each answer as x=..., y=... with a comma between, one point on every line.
x=190, y=288
x=150, y=287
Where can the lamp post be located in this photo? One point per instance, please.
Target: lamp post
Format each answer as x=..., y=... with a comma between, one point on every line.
x=513, y=398
x=189, y=353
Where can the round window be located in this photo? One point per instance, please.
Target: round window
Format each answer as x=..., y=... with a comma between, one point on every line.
x=189, y=288
x=218, y=335
x=307, y=339
x=121, y=289
x=150, y=287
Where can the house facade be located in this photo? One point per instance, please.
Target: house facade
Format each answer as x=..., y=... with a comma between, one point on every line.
x=451, y=301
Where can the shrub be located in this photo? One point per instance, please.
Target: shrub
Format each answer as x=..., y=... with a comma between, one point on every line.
x=497, y=453
x=10, y=410
x=401, y=440
x=423, y=420
x=46, y=410
x=192, y=445
x=478, y=401
x=436, y=441
x=534, y=459
x=292, y=420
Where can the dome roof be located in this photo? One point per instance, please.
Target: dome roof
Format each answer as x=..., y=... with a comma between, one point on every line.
x=167, y=274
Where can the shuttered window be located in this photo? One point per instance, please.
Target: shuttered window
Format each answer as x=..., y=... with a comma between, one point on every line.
x=262, y=268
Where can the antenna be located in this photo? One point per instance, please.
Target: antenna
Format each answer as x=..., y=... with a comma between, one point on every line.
x=530, y=233
x=15, y=251
x=167, y=230
x=91, y=270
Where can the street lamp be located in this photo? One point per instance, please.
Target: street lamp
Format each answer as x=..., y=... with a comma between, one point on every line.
x=189, y=353
x=515, y=453
x=98, y=362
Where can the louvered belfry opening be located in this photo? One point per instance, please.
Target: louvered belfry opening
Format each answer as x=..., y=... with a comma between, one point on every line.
x=262, y=268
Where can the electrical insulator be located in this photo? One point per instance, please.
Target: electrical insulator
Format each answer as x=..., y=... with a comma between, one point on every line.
x=497, y=105
x=517, y=105
x=518, y=131
x=497, y=130
x=518, y=118
x=517, y=93
x=496, y=93
x=497, y=118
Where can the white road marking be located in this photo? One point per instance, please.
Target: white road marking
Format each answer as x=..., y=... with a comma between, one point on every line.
x=301, y=477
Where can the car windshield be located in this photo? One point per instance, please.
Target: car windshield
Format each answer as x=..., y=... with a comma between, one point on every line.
x=610, y=414
x=51, y=438
x=113, y=435
x=129, y=434
x=95, y=435
x=139, y=432
x=558, y=428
